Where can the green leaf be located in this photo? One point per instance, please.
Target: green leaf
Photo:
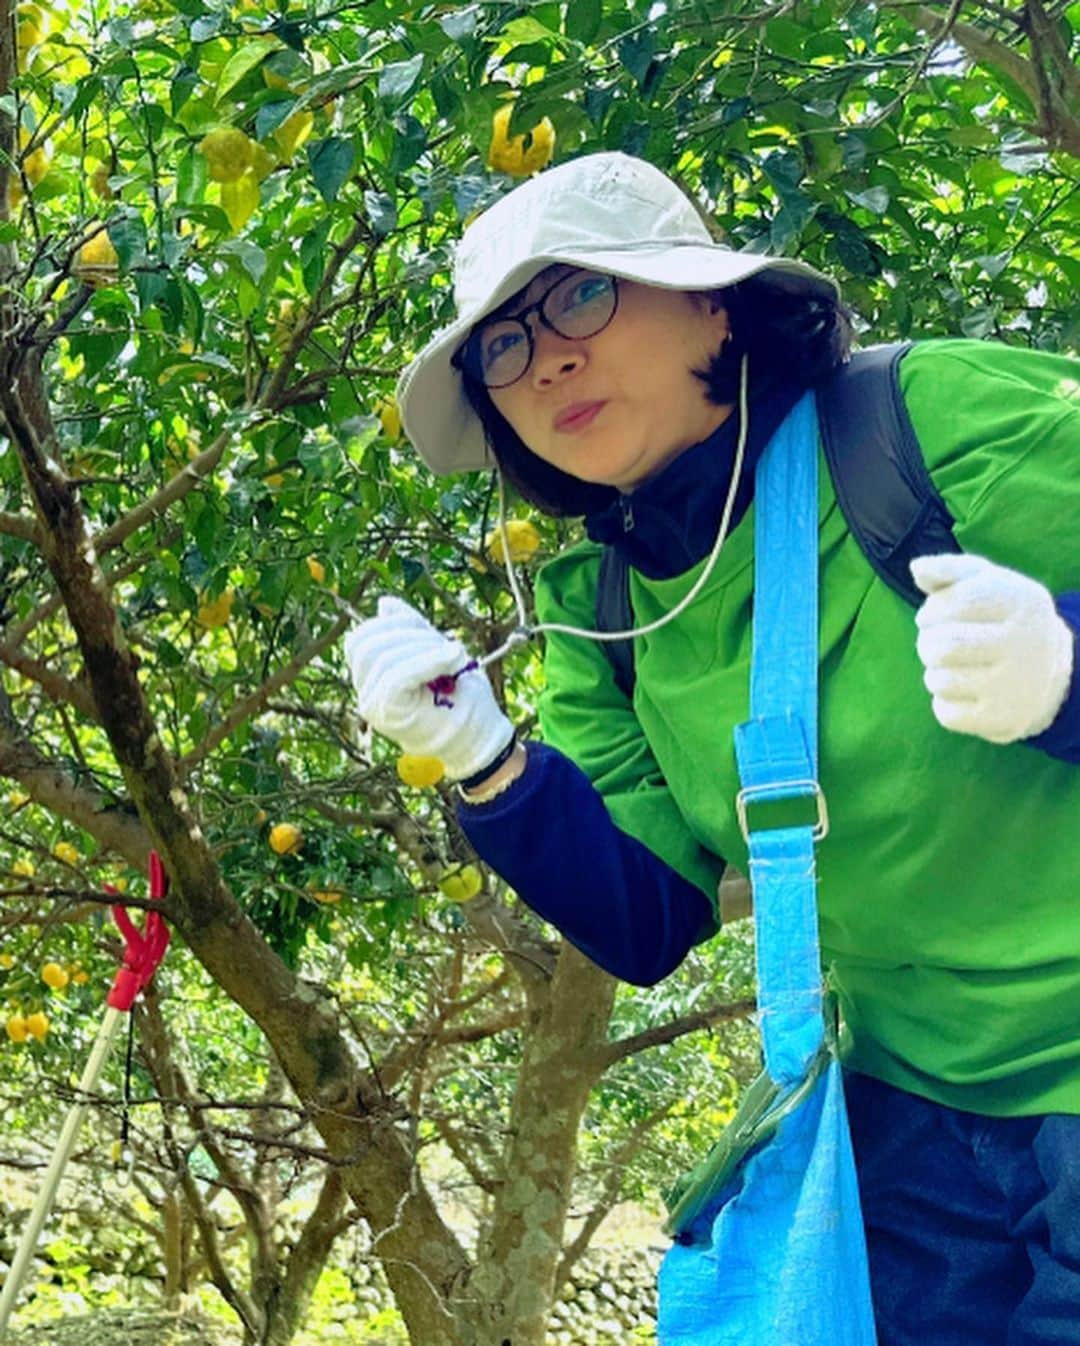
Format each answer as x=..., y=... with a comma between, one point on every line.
x=399, y=79
x=150, y=287
x=128, y=235
x=205, y=27
x=313, y=255
x=965, y=136
x=636, y=53
x=88, y=91
x=381, y=212
x=121, y=32
x=181, y=87
x=239, y=64
x=583, y=20
x=460, y=25
x=855, y=150
x=527, y=29
x=331, y=162
x=192, y=176
x=979, y=322
x=874, y=199
x=994, y=263
x=271, y=114
x=249, y=255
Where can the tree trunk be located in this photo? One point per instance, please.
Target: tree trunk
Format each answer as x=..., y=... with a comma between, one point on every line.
x=173, y=1241
x=510, y=1295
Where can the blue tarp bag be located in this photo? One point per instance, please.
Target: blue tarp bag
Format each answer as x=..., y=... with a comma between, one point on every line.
x=769, y=1245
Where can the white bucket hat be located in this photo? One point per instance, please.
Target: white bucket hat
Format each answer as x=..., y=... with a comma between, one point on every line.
x=607, y=212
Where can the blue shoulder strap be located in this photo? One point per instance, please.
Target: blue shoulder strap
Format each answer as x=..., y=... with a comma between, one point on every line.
x=778, y=1255
x=776, y=749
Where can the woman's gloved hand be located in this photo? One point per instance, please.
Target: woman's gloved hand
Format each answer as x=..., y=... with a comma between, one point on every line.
x=998, y=656
x=391, y=658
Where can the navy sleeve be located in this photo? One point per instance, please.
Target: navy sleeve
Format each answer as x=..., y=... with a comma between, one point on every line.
x=1062, y=739
x=552, y=839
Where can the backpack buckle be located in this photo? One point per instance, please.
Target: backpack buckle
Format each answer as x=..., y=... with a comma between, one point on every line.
x=783, y=792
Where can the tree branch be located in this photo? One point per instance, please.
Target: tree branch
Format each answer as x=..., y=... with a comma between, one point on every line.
x=249, y=706
x=48, y=785
x=18, y=525
x=677, y=1028
x=55, y=685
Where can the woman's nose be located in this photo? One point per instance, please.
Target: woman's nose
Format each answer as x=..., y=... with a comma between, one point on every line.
x=554, y=358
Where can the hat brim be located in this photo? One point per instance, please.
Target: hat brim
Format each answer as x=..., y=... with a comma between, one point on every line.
x=436, y=414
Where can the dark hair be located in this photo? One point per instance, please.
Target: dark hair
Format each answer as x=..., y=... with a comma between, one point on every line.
x=790, y=337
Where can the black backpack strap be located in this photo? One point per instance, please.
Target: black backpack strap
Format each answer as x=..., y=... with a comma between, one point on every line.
x=614, y=613
x=891, y=506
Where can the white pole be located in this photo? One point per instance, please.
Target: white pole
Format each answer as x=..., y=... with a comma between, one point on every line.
x=61, y=1154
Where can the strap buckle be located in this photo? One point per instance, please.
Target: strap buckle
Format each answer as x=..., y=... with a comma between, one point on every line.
x=779, y=792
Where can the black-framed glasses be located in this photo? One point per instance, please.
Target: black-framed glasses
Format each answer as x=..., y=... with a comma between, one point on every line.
x=498, y=352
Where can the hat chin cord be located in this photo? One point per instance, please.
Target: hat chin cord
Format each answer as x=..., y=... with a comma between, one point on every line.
x=525, y=631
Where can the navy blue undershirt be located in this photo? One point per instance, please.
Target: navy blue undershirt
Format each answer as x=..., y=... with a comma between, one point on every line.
x=549, y=835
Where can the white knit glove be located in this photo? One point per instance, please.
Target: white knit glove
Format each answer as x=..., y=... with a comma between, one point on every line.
x=997, y=654
x=392, y=657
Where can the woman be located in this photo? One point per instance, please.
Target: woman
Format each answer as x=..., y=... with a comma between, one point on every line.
x=598, y=355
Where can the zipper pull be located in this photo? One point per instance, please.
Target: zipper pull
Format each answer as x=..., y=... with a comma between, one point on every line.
x=627, y=513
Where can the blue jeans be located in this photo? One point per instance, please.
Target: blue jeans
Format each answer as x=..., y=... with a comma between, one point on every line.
x=972, y=1222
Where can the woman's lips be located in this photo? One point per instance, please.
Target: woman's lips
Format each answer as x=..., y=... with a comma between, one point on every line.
x=577, y=416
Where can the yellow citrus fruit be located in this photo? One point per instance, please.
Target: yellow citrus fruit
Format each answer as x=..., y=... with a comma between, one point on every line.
x=30, y=33
x=23, y=868
x=327, y=895
x=461, y=884
x=99, y=183
x=240, y=199
x=263, y=162
x=389, y=418
x=316, y=570
x=290, y=314
x=286, y=838
x=216, y=611
x=293, y=131
x=7, y=961
x=35, y=164
x=415, y=769
x=510, y=154
x=38, y=1025
x=229, y=153
x=96, y=262
x=54, y=976
x=65, y=851
x=81, y=977
x=522, y=537
x=16, y=1027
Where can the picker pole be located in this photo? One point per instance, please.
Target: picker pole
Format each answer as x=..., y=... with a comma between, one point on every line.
x=143, y=951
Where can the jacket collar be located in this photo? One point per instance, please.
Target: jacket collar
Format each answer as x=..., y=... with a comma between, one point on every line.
x=669, y=523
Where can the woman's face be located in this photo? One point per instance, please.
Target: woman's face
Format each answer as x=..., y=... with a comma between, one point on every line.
x=615, y=407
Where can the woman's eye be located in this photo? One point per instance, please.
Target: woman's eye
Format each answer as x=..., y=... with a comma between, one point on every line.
x=586, y=290
x=498, y=344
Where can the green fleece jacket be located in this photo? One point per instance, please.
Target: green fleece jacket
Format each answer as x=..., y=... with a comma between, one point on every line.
x=949, y=883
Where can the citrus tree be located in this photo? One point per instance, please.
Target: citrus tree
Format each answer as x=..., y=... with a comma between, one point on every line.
x=223, y=231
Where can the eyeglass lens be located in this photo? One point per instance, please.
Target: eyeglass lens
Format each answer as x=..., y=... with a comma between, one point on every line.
x=578, y=306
